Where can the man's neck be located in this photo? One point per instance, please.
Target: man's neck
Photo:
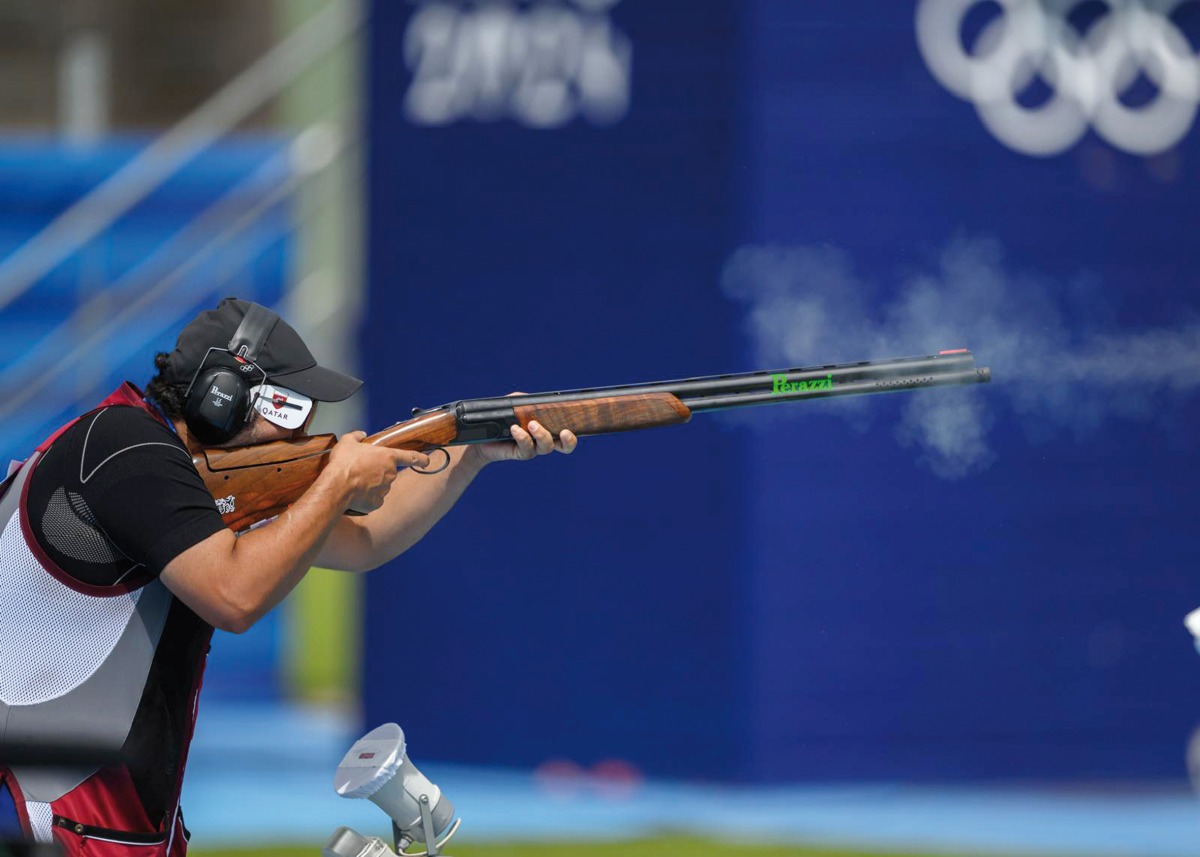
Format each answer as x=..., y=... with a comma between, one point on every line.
x=193, y=446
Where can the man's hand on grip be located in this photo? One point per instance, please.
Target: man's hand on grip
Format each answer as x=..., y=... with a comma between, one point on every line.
x=368, y=471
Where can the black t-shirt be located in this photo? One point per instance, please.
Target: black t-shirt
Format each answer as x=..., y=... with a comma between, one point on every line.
x=116, y=498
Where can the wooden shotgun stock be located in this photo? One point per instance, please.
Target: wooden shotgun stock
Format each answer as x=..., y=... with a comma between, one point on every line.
x=253, y=483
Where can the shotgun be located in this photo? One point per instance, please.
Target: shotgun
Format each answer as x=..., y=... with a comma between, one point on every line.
x=257, y=482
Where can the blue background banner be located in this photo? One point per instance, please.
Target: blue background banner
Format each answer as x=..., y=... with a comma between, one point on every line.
x=957, y=583
x=564, y=611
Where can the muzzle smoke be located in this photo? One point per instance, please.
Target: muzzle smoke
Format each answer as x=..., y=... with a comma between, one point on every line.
x=1059, y=360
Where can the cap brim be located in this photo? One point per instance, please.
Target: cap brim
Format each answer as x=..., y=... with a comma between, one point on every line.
x=319, y=383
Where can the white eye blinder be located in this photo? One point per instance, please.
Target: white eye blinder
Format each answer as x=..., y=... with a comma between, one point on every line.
x=281, y=406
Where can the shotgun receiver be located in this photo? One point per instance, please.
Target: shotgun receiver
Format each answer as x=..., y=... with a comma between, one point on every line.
x=253, y=483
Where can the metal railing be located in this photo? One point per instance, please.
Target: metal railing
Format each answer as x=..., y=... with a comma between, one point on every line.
x=151, y=283
x=104, y=204
x=145, y=301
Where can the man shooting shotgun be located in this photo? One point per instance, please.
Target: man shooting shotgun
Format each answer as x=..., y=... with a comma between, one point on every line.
x=116, y=566
x=118, y=553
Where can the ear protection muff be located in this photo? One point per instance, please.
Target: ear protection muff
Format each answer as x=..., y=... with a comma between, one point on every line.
x=217, y=404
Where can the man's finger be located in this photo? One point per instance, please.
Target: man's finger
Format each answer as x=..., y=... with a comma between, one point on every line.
x=525, y=446
x=410, y=458
x=543, y=438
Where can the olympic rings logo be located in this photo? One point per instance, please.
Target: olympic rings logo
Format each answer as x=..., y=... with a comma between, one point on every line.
x=1086, y=72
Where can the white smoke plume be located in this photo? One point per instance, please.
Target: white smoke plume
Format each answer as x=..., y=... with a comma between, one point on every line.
x=1059, y=359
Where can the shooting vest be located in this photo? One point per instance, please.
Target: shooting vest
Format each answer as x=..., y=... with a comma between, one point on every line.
x=74, y=664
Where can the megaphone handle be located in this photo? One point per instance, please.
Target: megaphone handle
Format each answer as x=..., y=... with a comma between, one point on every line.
x=431, y=846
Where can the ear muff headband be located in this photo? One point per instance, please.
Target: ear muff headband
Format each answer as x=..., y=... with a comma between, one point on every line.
x=251, y=335
x=217, y=403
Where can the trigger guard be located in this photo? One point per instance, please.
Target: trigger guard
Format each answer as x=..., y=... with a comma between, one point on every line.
x=445, y=464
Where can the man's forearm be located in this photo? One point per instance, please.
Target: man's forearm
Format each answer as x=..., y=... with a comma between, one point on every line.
x=282, y=551
x=232, y=581
x=413, y=505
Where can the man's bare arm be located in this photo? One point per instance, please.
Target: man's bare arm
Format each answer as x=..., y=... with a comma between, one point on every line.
x=417, y=502
x=231, y=581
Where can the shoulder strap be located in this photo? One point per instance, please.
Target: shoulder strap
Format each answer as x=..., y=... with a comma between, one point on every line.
x=126, y=394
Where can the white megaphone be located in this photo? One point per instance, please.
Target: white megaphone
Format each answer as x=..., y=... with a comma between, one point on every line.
x=378, y=769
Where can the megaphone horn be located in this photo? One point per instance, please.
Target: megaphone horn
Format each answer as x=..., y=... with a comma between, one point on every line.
x=378, y=768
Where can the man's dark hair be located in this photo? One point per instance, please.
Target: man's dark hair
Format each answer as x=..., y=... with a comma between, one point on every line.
x=170, y=397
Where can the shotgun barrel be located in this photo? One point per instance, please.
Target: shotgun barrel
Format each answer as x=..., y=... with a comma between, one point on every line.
x=481, y=420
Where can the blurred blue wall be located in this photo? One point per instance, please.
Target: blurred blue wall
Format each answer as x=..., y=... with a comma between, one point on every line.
x=799, y=596
x=566, y=608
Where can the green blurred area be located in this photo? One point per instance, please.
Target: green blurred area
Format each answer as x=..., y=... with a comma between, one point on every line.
x=665, y=847
x=322, y=628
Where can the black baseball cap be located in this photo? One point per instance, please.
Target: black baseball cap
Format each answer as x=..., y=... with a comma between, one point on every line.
x=284, y=356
